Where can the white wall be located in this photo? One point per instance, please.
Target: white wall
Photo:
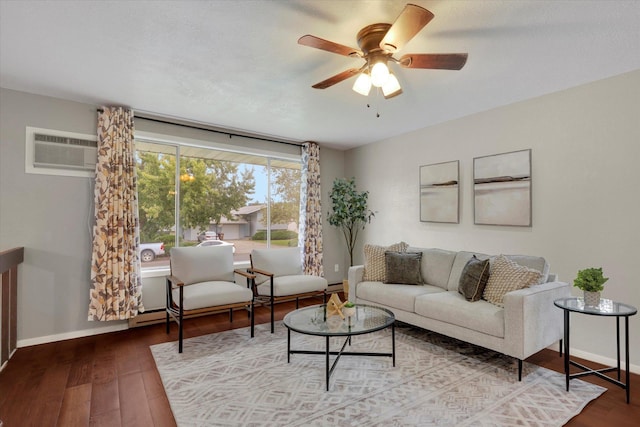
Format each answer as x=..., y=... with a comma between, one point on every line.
x=585, y=145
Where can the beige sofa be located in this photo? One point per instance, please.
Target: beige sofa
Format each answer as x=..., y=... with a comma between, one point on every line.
x=526, y=324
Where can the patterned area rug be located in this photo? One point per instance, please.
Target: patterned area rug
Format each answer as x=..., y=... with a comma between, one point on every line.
x=228, y=379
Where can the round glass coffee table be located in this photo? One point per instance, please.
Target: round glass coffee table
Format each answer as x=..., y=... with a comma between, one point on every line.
x=313, y=320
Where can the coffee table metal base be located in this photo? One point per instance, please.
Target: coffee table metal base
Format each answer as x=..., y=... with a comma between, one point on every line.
x=330, y=367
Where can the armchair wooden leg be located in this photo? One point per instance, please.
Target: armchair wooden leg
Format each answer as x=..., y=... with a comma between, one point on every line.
x=231, y=315
x=168, y=319
x=297, y=303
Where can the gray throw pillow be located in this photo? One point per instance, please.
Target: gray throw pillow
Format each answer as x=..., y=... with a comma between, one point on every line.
x=473, y=279
x=403, y=268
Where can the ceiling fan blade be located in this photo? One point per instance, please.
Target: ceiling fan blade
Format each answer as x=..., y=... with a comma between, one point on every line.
x=412, y=19
x=318, y=43
x=336, y=79
x=439, y=61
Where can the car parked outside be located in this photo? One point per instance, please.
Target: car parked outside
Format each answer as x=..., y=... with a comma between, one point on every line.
x=149, y=251
x=217, y=243
x=207, y=235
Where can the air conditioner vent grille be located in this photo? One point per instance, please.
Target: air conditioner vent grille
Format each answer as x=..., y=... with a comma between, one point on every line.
x=40, y=137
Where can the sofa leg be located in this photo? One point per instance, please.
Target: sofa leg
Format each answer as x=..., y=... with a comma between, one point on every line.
x=560, y=348
x=231, y=315
x=519, y=369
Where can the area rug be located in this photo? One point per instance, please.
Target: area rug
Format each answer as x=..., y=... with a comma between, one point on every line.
x=229, y=379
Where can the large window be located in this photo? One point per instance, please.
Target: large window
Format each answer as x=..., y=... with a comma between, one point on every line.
x=193, y=195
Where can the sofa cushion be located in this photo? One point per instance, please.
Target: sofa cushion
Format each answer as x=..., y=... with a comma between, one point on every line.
x=506, y=276
x=533, y=262
x=451, y=307
x=459, y=263
x=374, y=262
x=403, y=268
x=397, y=296
x=474, y=279
x=436, y=265
x=211, y=294
x=291, y=285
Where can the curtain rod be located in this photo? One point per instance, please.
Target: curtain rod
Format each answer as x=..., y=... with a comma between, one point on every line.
x=100, y=110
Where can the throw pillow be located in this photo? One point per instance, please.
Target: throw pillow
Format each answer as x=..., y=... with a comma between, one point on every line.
x=473, y=279
x=374, y=264
x=403, y=268
x=507, y=276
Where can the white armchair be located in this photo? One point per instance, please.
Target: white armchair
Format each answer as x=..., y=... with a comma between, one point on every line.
x=279, y=276
x=201, y=281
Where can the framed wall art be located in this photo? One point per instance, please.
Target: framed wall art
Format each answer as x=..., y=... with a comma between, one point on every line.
x=502, y=189
x=439, y=192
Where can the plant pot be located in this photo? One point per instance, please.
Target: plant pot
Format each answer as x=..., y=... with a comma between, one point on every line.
x=349, y=311
x=591, y=299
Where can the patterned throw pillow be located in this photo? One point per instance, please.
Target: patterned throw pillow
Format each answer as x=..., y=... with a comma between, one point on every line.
x=473, y=279
x=374, y=263
x=507, y=276
x=403, y=268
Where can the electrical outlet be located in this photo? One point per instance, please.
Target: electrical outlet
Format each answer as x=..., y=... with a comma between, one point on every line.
x=336, y=268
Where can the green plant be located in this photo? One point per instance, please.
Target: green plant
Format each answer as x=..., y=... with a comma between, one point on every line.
x=349, y=211
x=590, y=280
x=275, y=235
x=349, y=304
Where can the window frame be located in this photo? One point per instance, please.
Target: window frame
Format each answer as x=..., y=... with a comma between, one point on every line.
x=180, y=141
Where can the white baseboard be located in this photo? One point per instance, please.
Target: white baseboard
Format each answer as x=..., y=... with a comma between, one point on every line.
x=69, y=335
x=607, y=361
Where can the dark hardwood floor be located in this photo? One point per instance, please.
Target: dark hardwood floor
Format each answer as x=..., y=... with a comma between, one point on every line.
x=111, y=379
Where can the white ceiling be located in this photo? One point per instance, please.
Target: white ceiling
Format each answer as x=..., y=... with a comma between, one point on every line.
x=237, y=64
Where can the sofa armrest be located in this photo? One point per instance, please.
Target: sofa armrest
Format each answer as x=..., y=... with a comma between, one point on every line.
x=531, y=321
x=354, y=276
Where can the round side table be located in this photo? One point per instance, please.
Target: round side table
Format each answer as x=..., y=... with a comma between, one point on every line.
x=606, y=307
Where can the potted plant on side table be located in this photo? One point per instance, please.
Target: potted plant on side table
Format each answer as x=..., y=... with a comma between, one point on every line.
x=591, y=281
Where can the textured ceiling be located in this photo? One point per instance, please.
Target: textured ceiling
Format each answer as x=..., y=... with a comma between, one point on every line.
x=237, y=64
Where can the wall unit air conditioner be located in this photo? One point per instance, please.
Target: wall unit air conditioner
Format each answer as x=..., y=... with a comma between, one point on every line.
x=53, y=152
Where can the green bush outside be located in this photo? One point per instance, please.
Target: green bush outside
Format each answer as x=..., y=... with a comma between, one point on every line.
x=276, y=235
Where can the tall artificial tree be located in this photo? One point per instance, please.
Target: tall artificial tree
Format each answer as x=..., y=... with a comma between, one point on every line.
x=349, y=211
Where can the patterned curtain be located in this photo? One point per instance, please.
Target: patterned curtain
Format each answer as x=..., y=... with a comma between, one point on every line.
x=311, y=210
x=115, y=262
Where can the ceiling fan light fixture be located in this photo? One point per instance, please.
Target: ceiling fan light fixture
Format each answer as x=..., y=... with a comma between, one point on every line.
x=379, y=74
x=362, y=84
x=392, y=87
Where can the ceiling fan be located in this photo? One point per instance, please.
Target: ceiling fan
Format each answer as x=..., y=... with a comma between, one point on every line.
x=378, y=43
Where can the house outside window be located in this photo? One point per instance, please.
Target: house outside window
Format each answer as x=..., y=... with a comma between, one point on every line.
x=192, y=195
